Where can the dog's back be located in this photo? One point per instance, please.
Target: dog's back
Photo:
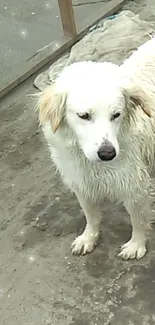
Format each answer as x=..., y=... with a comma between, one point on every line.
x=140, y=67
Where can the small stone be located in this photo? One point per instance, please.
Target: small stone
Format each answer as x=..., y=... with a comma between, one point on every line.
x=42, y=225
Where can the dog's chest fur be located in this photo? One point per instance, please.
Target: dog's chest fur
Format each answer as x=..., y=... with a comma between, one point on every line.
x=114, y=179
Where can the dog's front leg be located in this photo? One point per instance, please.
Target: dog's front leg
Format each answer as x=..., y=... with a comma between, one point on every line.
x=140, y=220
x=86, y=242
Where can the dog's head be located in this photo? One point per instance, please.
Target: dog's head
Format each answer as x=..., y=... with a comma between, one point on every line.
x=89, y=98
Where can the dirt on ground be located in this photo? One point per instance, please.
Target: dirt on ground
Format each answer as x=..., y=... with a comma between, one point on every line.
x=41, y=283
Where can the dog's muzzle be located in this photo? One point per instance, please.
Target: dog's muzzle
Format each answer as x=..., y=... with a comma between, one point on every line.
x=106, y=151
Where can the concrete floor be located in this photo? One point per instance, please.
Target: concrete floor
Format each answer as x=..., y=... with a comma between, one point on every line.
x=41, y=283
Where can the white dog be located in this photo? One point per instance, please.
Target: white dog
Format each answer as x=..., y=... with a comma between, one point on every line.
x=99, y=121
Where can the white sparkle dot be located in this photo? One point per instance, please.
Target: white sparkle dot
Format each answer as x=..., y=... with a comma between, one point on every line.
x=56, y=45
x=23, y=33
x=33, y=13
x=5, y=8
x=47, y=5
x=31, y=258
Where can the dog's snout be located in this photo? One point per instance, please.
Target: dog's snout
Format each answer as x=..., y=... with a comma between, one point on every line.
x=106, y=151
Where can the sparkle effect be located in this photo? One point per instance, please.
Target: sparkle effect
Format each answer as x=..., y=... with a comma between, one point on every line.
x=24, y=33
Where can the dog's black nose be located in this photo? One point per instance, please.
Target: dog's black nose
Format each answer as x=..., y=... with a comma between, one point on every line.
x=107, y=151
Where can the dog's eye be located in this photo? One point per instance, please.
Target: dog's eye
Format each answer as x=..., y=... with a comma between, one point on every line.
x=115, y=116
x=85, y=116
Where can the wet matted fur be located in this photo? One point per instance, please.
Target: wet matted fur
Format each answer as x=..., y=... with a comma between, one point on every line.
x=99, y=121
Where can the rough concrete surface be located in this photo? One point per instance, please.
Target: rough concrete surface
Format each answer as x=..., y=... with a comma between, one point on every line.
x=40, y=282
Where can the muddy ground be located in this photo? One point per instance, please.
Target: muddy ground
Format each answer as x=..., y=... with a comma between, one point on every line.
x=41, y=283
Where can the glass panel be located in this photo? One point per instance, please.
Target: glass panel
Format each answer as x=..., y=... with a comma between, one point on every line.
x=32, y=31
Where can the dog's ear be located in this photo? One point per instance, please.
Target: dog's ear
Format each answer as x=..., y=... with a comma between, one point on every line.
x=137, y=98
x=52, y=106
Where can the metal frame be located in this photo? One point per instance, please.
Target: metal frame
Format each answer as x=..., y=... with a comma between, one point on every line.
x=67, y=17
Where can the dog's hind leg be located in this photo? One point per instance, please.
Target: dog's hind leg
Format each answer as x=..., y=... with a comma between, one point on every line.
x=141, y=225
x=86, y=242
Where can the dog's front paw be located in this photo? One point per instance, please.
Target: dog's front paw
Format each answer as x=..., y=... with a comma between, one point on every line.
x=133, y=249
x=84, y=244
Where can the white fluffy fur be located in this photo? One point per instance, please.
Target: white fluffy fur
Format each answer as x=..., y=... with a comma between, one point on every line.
x=104, y=89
